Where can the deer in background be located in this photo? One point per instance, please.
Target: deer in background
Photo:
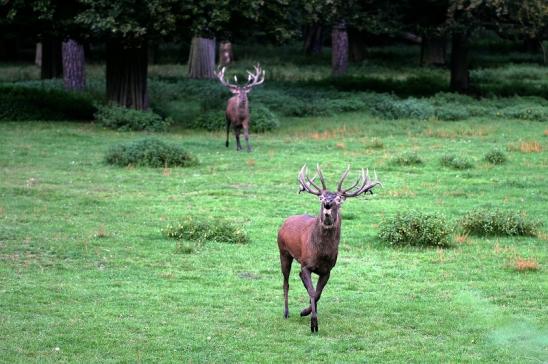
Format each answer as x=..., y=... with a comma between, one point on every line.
x=314, y=240
x=237, y=108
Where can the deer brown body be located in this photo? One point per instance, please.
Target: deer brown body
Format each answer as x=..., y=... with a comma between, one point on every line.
x=314, y=240
x=237, y=109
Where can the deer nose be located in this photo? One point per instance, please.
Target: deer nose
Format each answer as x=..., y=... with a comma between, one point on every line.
x=327, y=205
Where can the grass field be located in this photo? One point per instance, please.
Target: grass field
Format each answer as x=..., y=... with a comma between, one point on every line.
x=87, y=276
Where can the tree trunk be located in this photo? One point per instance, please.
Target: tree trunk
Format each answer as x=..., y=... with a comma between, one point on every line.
x=38, y=55
x=313, y=40
x=339, y=49
x=127, y=70
x=460, y=77
x=433, y=51
x=74, y=66
x=226, y=56
x=201, y=62
x=357, y=45
x=52, y=63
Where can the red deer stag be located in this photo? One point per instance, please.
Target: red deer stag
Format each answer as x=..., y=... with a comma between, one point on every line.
x=314, y=240
x=237, y=108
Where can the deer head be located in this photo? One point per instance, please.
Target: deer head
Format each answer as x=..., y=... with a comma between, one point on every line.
x=253, y=79
x=330, y=202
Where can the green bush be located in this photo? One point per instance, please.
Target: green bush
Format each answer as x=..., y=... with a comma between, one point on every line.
x=124, y=119
x=410, y=108
x=416, y=228
x=495, y=156
x=149, y=152
x=211, y=229
x=261, y=120
x=452, y=112
x=454, y=162
x=526, y=112
x=19, y=103
x=407, y=159
x=486, y=222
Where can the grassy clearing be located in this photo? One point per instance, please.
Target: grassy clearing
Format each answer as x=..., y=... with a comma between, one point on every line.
x=87, y=276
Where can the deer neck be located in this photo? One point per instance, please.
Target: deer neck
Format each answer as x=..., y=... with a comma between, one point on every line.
x=241, y=102
x=326, y=236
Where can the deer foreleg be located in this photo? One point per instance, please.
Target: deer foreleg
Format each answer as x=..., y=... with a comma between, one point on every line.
x=322, y=281
x=227, y=129
x=246, y=136
x=307, y=281
x=237, y=131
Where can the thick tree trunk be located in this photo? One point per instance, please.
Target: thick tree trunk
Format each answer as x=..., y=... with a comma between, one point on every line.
x=38, y=55
x=339, y=49
x=52, y=63
x=357, y=46
x=460, y=77
x=201, y=62
x=433, y=51
x=74, y=65
x=313, y=40
x=226, y=56
x=127, y=70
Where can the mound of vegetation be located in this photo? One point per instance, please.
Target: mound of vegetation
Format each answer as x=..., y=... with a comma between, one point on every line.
x=407, y=159
x=149, y=152
x=416, y=228
x=124, y=119
x=489, y=222
x=20, y=103
x=211, y=229
x=455, y=162
x=496, y=156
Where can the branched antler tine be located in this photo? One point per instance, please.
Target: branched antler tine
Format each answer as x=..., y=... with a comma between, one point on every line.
x=307, y=183
x=339, y=186
x=319, y=173
x=367, y=185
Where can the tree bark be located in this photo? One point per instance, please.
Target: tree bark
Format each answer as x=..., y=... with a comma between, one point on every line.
x=52, y=63
x=339, y=49
x=357, y=46
x=74, y=66
x=313, y=40
x=201, y=61
x=460, y=77
x=127, y=71
x=433, y=51
x=226, y=56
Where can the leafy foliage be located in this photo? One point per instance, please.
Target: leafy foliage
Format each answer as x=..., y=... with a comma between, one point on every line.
x=487, y=222
x=149, y=152
x=410, y=108
x=416, y=228
x=407, y=159
x=456, y=162
x=496, y=156
x=212, y=229
x=31, y=103
x=124, y=119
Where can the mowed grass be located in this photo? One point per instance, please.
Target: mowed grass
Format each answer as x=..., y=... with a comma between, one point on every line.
x=86, y=275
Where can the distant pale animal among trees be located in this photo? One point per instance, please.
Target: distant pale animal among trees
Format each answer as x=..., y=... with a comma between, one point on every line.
x=237, y=109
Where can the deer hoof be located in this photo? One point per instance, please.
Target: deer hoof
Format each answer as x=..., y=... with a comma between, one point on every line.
x=314, y=324
x=286, y=313
x=306, y=311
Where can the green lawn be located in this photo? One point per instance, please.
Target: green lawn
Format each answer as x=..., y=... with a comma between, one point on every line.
x=86, y=275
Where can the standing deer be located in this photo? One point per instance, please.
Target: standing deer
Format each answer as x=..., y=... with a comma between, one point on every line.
x=314, y=240
x=237, y=109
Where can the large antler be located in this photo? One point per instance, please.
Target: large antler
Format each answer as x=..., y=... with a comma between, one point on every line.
x=254, y=79
x=308, y=184
x=366, y=184
x=221, y=76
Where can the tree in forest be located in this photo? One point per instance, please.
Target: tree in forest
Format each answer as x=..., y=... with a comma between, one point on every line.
x=127, y=27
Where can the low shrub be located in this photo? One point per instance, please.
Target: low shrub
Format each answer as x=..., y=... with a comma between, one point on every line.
x=454, y=162
x=410, y=108
x=486, y=222
x=407, y=159
x=211, y=229
x=416, y=228
x=20, y=103
x=526, y=112
x=124, y=119
x=452, y=112
x=495, y=156
x=149, y=152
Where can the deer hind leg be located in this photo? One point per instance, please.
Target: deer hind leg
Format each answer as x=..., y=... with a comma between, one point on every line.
x=227, y=129
x=307, y=281
x=237, y=131
x=286, y=260
x=322, y=281
x=246, y=136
